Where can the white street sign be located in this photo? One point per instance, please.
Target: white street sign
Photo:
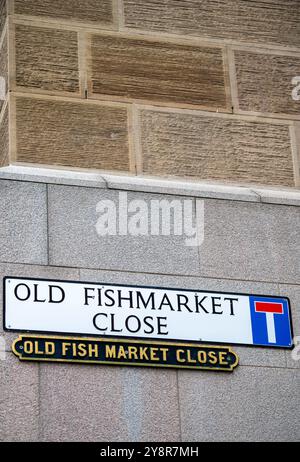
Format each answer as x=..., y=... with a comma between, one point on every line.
x=35, y=305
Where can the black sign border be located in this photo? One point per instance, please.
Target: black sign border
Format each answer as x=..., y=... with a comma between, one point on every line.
x=125, y=364
x=146, y=287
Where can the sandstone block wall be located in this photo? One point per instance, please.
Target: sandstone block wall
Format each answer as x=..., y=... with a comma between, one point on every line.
x=190, y=89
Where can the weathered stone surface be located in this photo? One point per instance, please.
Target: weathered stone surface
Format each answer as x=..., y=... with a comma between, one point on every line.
x=157, y=71
x=3, y=71
x=23, y=218
x=186, y=188
x=74, y=134
x=265, y=82
x=41, y=174
x=74, y=240
x=275, y=22
x=19, y=400
x=258, y=242
x=87, y=11
x=216, y=148
x=293, y=292
x=4, y=139
x=98, y=403
x=46, y=58
x=3, y=15
x=279, y=196
x=239, y=406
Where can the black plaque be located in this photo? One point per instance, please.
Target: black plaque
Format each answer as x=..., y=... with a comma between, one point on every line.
x=125, y=352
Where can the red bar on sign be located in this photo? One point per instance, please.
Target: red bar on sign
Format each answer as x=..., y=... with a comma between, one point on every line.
x=269, y=307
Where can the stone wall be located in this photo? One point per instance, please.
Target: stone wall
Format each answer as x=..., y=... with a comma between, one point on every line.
x=200, y=90
x=161, y=99
x=251, y=245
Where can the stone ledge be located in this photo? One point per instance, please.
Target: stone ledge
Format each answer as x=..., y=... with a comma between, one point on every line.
x=180, y=187
x=52, y=176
